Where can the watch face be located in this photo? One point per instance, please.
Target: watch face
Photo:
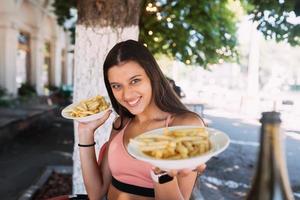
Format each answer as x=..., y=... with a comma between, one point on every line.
x=164, y=178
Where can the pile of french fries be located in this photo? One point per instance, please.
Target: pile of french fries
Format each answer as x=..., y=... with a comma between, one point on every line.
x=175, y=144
x=89, y=107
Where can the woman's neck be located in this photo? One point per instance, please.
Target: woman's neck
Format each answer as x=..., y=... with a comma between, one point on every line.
x=152, y=113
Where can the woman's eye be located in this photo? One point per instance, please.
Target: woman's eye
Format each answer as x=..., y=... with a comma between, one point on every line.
x=115, y=86
x=134, y=81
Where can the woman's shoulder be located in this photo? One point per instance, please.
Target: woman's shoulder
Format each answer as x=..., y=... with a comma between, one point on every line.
x=188, y=118
x=119, y=123
x=117, y=126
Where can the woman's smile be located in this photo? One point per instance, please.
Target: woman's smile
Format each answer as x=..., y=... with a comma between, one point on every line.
x=133, y=102
x=131, y=86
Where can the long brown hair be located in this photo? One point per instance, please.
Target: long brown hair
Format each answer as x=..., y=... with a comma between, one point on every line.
x=164, y=96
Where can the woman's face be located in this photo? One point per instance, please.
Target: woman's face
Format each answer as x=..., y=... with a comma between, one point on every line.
x=131, y=86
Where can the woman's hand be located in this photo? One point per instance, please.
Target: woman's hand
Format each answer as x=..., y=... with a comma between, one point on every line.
x=86, y=129
x=184, y=172
x=199, y=169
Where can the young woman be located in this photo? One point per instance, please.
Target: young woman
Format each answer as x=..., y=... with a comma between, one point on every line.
x=143, y=99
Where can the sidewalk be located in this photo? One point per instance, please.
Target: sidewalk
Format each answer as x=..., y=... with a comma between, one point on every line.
x=34, y=138
x=31, y=138
x=50, y=142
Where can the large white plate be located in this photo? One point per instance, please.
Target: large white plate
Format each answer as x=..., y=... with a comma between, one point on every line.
x=89, y=118
x=219, y=141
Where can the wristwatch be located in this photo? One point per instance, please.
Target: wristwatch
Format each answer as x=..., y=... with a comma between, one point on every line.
x=161, y=178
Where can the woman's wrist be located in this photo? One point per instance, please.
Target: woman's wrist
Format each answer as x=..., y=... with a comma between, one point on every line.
x=87, y=145
x=86, y=138
x=86, y=130
x=161, y=177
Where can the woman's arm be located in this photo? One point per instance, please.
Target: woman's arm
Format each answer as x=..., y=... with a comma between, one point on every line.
x=179, y=188
x=182, y=185
x=96, y=181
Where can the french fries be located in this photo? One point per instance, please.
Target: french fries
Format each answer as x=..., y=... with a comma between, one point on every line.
x=176, y=144
x=89, y=107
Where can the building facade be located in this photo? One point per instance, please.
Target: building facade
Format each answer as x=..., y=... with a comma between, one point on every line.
x=34, y=49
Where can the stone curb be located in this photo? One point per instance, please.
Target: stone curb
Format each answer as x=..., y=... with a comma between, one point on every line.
x=16, y=121
x=32, y=190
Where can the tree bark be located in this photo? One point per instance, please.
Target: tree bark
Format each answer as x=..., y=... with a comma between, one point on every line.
x=100, y=26
x=115, y=13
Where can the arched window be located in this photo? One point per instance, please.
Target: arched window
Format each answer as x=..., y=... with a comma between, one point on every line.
x=23, y=59
x=46, y=77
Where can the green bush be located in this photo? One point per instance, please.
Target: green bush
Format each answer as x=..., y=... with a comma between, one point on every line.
x=4, y=101
x=26, y=90
x=66, y=91
x=52, y=88
x=2, y=92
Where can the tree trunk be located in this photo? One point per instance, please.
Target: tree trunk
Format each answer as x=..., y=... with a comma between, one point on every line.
x=101, y=24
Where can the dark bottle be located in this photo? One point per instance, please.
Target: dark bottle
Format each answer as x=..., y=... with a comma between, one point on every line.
x=271, y=180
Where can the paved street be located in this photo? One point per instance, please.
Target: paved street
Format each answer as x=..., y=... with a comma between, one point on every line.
x=229, y=175
x=23, y=160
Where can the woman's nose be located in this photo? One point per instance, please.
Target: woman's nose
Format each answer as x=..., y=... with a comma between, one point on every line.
x=127, y=93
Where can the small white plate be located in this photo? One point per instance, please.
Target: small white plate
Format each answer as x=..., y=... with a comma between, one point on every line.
x=66, y=114
x=218, y=139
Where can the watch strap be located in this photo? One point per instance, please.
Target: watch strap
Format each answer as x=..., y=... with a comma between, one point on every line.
x=161, y=178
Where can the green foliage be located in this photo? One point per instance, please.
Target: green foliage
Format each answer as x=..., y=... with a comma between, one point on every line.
x=272, y=17
x=2, y=92
x=3, y=102
x=26, y=90
x=63, y=13
x=62, y=95
x=52, y=88
x=190, y=31
x=6, y=100
x=64, y=91
x=62, y=10
x=203, y=32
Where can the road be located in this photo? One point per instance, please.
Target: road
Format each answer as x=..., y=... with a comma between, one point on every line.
x=229, y=175
x=23, y=160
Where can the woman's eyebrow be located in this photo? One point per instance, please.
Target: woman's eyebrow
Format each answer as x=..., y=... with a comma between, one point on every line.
x=135, y=76
x=111, y=83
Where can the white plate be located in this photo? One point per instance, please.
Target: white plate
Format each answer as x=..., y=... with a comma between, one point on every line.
x=89, y=118
x=219, y=141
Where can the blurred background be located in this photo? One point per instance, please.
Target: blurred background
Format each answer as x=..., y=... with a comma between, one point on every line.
x=230, y=60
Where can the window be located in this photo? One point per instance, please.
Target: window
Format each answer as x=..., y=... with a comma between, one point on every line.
x=23, y=59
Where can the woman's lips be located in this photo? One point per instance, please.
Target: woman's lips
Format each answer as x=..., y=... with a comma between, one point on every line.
x=133, y=102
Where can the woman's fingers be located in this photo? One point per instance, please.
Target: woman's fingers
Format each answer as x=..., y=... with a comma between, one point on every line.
x=173, y=172
x=93, y=125
x=200, y=169
x=157, y=170
x=183, y=172
x=101, y=120
x=105, y=117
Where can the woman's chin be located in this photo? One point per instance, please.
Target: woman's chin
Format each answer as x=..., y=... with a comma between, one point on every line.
x=135, y=111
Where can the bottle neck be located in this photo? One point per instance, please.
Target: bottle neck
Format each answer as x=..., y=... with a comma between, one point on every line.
x=271, y=145
x=271, y=169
